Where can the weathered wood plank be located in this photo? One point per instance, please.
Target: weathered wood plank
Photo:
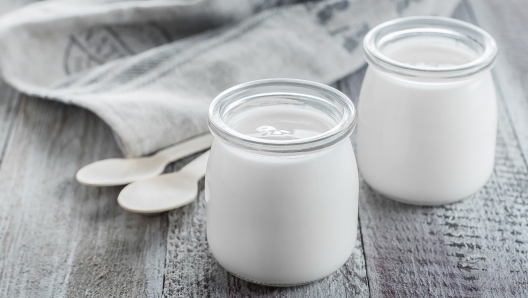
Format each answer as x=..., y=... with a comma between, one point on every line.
x=475, y=248
x=9, y=97
x=191, y=270
x=57, y=237
x=9, y=100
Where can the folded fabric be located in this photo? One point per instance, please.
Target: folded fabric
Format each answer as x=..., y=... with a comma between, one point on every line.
x=150, y=68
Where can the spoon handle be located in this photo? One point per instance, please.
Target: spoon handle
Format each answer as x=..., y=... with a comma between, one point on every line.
x=197, y=167
x=187, y=147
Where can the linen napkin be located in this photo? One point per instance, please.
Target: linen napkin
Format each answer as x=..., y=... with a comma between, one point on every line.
x=151, y=68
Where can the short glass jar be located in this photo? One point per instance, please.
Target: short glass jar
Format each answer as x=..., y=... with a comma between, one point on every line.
x=282, y=181
x=427, y=110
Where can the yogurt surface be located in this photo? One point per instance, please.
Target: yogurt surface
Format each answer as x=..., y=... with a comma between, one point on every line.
x=285, y=122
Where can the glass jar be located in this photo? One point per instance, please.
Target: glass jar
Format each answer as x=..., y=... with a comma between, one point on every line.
x=427, y=110
x=282, y=183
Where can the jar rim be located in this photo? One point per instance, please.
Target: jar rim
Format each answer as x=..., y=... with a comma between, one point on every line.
x=341, y=130
x=432, y=26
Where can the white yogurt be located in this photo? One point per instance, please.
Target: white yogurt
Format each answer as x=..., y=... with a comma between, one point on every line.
x=427, y=140
x=284, y=122
x=281, y=218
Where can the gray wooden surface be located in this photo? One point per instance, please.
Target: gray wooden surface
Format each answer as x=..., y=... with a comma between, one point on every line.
x=58, y=238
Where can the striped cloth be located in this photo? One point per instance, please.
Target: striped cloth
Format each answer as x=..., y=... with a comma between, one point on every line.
x=150, y=68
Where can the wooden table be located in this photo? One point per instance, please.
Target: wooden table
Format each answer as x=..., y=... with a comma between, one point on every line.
x=59, y=238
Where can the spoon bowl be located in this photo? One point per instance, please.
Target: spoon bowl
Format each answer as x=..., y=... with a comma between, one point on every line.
x=119, y=171
x=165, y=192
x=161, y=194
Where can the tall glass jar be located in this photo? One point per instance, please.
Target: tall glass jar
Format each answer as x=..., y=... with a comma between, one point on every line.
x=427, y=110
x=281, y=182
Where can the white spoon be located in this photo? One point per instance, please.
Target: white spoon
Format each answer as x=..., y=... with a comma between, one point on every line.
x=119, y=171
x=165, y=192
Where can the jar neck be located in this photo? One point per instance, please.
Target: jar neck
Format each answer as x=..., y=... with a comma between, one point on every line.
x=292, y=95
x=430, y=48
x=429, y=81
x=272, y=154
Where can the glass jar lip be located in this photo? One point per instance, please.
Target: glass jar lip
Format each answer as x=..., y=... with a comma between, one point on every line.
x=340, y=131
x=432, y=26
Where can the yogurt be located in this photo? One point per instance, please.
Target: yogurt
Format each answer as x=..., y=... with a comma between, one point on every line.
x=426, y=129
x=281, y=122
x=280, y=217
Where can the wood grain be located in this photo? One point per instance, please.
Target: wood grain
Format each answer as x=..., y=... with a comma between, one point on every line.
x=58, y=238
x=475, y=248
x=9, y=102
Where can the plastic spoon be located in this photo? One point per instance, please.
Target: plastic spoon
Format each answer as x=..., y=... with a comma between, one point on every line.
x=165, y=192
x=119, y=171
